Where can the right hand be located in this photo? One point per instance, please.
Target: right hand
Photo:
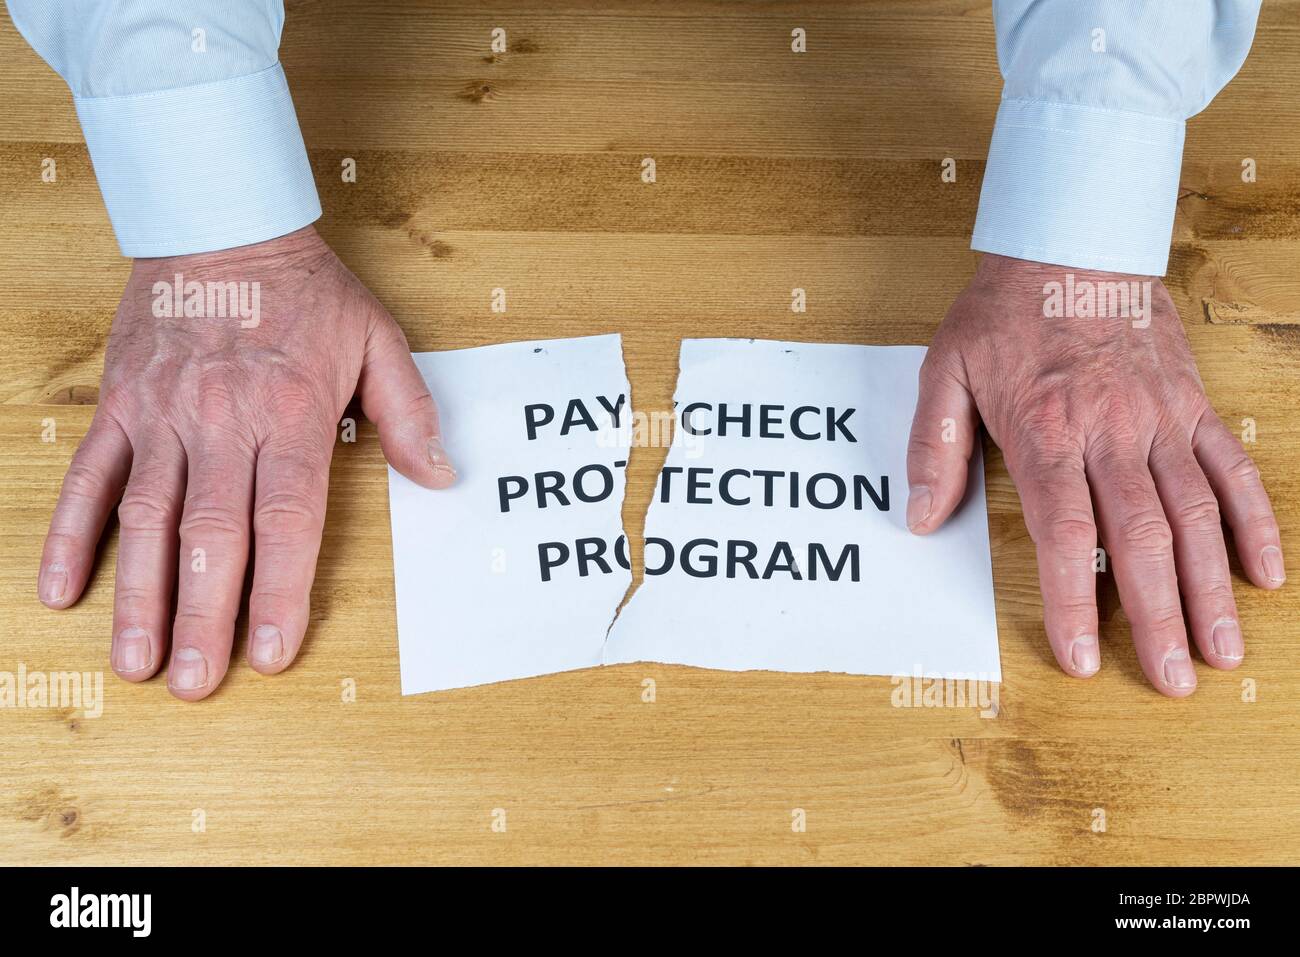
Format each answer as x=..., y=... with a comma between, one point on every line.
x=1107, y=411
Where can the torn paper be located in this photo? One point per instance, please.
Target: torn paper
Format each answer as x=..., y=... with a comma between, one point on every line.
x=777, y=538
x=517, y=569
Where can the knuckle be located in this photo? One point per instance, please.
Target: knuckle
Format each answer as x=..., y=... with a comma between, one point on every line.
x=272, y=601
x=1243, y=471
x=386, y=335
x=302, y=443
x=62, y=541
x=1075, y=611
x=1046, y=441
x=294, y=400
x=201, y=625
x=1201, y=509
x=1167, y=629
x=215, y=395
x=211, y=520
x=1147, y=533
x=82, y=479
x=937, y=368
x=418, y=404
x=923, y=449
x=1262, y=523
x=1045, y=411
x=117, y=398
x=1119, y=410
x=134, y=602
x=930, y=365
x=1069, y=529
x=1132, y=490
x=145, y=510
x=286, y=511
x=1215, y=592
x=1041, y=437
x=130, y=595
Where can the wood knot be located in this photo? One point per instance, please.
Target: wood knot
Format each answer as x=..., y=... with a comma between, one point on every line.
x=478, y=91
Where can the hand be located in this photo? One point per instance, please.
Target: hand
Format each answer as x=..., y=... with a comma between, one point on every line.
x=1104, y=410
x=216, y=434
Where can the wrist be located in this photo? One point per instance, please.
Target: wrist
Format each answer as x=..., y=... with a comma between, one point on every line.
x=1067, y=292
x=302, y=247
x=994, y=267
x=205, y=292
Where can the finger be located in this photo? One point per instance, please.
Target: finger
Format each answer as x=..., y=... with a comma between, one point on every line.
x=1199, y=552
x=214, y=553
x=1058, y=513
x=1135, y=529
x=146, y=558
x=91, y=488
x=1242, y=498
x=394, y=396
x=942, y=439
x=288, y=516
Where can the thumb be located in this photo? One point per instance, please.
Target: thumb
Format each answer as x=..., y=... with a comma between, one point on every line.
x=939, y=450
x=395, y=397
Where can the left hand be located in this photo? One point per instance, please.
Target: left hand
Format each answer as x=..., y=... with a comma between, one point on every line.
x=215, y=432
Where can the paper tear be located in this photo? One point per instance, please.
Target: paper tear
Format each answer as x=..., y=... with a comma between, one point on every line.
x=883, y=622
x=507, y=620
x=793, y=583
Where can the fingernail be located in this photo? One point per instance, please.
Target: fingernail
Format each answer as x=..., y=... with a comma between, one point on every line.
x=1085, y=654
x=189, y=670
x=439, y=459
x=1179, y=672
x=131, y=652
x=268, y=646
x=919, y=501
x=1271, y=558
x=54, y=582
x=1227, y=640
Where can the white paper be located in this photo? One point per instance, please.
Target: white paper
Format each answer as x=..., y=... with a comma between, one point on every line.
x=472, y=607
x=923, y=605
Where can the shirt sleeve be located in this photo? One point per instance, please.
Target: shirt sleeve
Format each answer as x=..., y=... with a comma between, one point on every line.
x=187, y=117
x=1084, y=162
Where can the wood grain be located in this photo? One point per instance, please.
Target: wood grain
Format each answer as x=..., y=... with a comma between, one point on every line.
x=774, y=170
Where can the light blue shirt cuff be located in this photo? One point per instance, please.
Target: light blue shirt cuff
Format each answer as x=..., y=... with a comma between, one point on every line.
x=201, y=167
x=1080, y=186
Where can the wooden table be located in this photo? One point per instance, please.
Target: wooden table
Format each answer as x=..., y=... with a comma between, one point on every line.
x=522, y=171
